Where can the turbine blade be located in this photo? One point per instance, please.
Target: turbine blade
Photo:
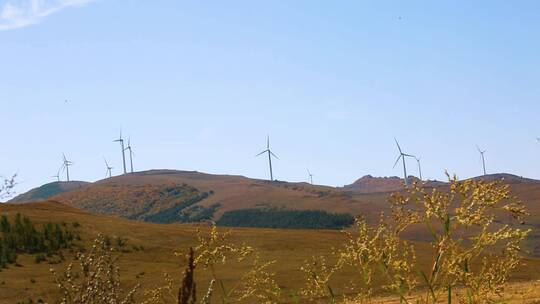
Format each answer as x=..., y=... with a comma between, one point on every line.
x=397, y=160
x=399, y=148
x=272, y=153
x=408, y=155
x=268, y=142
x=261, y=153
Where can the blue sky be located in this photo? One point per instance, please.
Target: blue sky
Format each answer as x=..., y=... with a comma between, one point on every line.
x=199, y=85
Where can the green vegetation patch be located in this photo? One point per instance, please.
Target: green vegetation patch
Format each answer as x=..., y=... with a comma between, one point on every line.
x=47, y=191
x=181, y=214
x=22, y=236
x=282, y=218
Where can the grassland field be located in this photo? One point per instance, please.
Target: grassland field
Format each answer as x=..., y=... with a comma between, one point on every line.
x=160, y=241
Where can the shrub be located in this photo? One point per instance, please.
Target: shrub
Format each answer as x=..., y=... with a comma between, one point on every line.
x=22, y=236
x=100, y=279
x=282, y=218
x=40, y=258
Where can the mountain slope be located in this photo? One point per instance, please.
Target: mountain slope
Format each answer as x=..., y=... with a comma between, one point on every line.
x=145, y=195
x=48, y=190
x=370, y=184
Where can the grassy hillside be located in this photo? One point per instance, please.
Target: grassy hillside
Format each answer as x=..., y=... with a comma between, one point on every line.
x=160, y=242
x=149, y=251
x=48, y=190
x=168, y=196
x=156, y=195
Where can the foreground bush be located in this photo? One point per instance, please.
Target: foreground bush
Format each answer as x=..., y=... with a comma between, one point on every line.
x=96, y=281
x=472, y=253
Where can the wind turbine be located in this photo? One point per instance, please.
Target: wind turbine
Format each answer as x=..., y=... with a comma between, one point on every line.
x=121, y=141
x=109, y=168
x=402, y=157
x=483, y=159
x=419, y=166
x=310, y=176
x=270, y=154
x=57, y=176
x=130, y=153
x=66, y=165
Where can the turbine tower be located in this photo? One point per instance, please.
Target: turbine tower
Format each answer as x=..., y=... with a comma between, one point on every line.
x=130, y=153
x=121, y=141
x=419, y=167
x=402, y=157
x=483, y=159
x=57, y=176
x=270, y=154
x=109, y=169
x=66, y=165
x=310, y=176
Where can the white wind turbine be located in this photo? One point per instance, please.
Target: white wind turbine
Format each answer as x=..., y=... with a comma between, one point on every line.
x=130, y=153
x=402, y=157
x=483, y=158
x=270, y=154
x=310, y=176
x=109, y=168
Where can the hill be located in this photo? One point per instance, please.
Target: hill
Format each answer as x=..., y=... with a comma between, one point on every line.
x=167, y=196
x=181, y=196
x=370, y=184
x=507, y=178
x=48, y=190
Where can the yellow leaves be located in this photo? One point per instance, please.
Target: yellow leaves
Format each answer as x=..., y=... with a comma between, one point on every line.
x=372, y=252
x=100, y=280
x=258, y=284
x=467, y=213
x=216, y=247
x=317, y=274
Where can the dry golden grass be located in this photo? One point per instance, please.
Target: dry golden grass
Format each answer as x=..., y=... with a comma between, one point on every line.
x=289, y=247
